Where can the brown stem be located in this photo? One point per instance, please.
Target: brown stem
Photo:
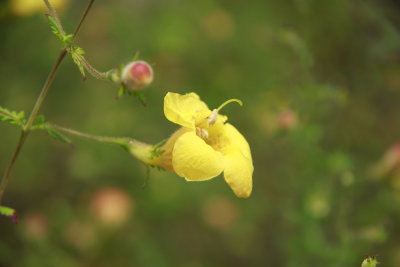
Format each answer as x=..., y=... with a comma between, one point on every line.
x=11, y=165
x=97, y=74
x=82, y=19
x=35, y=110
x=43, y=93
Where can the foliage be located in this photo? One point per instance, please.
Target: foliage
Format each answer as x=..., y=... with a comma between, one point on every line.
x=332, y=64
x=13, y=117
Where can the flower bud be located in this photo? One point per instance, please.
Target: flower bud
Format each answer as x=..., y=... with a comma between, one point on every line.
x=136, y=75
x=369, y=261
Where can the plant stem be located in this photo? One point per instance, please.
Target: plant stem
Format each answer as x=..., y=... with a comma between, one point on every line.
x=95, y=73
x=26, y=128
x=43, y=93
x=53, y=13
x=11, y=165
x=102, y=139
x=140, y=150
x=82, y=19
x=35, y=110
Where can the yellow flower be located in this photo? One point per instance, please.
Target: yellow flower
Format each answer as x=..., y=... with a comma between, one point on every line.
x=205, y=146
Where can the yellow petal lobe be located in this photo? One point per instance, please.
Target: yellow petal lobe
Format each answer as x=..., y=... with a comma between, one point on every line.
x=194, y=160
x=237, y=141
x=239, y=168
x=185, y=110
x=238, y=174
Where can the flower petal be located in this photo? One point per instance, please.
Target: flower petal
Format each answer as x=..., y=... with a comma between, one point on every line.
x=227, y=139
x=193, y=159
x=238, y=174
x=165, y=159
x=185, y=109
x=237, y=141
x=238, y=162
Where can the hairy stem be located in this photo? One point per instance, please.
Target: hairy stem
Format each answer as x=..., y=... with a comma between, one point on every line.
x=53, y=13
x=95, y=73
x=102, y=139
x=43, y=93
x=11, y=165
x=140, y=150
x=82, y=19
x=35, y=110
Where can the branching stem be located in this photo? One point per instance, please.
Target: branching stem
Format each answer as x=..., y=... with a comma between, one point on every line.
x=39, y=101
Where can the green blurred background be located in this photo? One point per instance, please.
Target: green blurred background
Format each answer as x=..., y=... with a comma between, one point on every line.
x=320, y=82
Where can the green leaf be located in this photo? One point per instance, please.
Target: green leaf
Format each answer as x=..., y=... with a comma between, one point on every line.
x=40, y=121
x=54, y=27
x=41, y=124
x=121, y=91
x=67, y=39
x=12, y=117
x=77, y=60
x=9, y=212
x=157, y=151
x=161, y=143
x=141, y=97
x=79, y=50
x=59, y=136
x=370, y=261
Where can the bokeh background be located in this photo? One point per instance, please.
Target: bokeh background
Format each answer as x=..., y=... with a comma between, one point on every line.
x=320, y=82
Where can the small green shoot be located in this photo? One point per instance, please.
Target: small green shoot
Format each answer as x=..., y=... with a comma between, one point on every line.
x=9, y=212
x=13, y=117
x=41, y=124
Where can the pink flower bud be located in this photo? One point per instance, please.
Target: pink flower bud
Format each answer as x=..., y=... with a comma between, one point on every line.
x=136, y=75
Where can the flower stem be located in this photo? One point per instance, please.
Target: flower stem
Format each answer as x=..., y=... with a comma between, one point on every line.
x=93, y=71
x=103, y=139
x=139, y=150
x=39, y=101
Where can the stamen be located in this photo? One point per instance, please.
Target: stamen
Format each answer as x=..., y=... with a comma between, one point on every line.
x=230, y=101
x=213, y=117
x=202, y=133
